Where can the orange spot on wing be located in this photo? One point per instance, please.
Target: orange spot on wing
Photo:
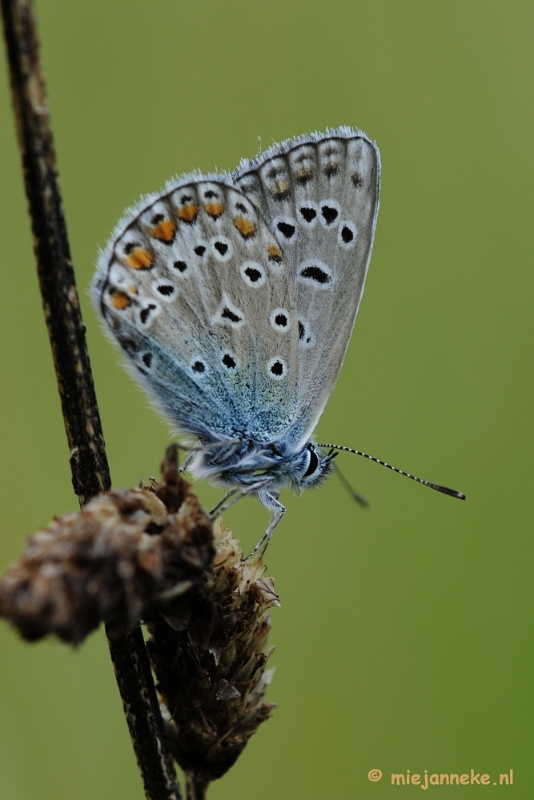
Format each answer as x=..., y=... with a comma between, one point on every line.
x=304, y=175
x=188, y=212
x=274, y=252
x=214, y=209
x=330, y=169
x=164, y=230
x=139, y=258
x=120, y=301
x=245, y=226
x=280, y=188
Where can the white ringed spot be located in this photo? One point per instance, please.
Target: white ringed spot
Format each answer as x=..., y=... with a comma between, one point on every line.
x=221, y=248
x=314, y=272
x=329, y=213
x=280, y=320
x=253, y=274
x=276, y=368
x=346, y=234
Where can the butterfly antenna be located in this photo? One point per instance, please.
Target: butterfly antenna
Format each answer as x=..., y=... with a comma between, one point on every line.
x=436, y=486
x=358, y=498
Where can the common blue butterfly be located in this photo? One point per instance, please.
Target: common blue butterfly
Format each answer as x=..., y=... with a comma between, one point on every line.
x=234, y=296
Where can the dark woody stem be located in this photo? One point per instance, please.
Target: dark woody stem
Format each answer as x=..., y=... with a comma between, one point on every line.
x=196, y=787
x=89, y=466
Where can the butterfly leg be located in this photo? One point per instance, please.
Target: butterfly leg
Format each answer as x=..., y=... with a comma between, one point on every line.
x=222, y=505
x=271, y=502
x=186, y=463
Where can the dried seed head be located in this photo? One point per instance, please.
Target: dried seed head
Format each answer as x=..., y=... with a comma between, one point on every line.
x=208, y=656
x=110, y=562
x=149, y=554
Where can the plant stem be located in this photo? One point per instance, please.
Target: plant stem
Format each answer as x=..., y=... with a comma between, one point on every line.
x=196, y=787
x=88, y=461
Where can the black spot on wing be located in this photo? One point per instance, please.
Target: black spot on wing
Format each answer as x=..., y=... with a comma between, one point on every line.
x=329, y=213
x=315, y=273
x=227, y=313
x=286, y=229
x=228, y=361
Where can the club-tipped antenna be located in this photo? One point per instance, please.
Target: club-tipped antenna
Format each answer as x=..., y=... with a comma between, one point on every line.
x=436, y=486
x=353, y=494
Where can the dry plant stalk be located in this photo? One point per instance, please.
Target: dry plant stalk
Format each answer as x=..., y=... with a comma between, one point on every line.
x=151, y=554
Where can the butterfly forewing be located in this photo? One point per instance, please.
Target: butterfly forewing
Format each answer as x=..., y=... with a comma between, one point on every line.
x=195, y=289
x=320, y=197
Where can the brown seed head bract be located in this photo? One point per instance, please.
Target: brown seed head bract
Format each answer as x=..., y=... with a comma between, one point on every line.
x=208, y=656
x=151, y=555
x=110, y=562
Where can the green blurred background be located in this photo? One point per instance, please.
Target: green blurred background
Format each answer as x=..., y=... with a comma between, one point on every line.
x=404, y=640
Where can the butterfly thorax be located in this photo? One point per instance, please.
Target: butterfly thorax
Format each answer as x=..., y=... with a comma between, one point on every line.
x=257, y=465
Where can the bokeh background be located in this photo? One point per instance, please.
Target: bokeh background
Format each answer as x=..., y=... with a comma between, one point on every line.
x=404, y=640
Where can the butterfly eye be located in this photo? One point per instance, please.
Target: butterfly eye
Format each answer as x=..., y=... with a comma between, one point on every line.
x=313, y=463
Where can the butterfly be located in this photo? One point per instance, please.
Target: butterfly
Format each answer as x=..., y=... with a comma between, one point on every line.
x=233, y=297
